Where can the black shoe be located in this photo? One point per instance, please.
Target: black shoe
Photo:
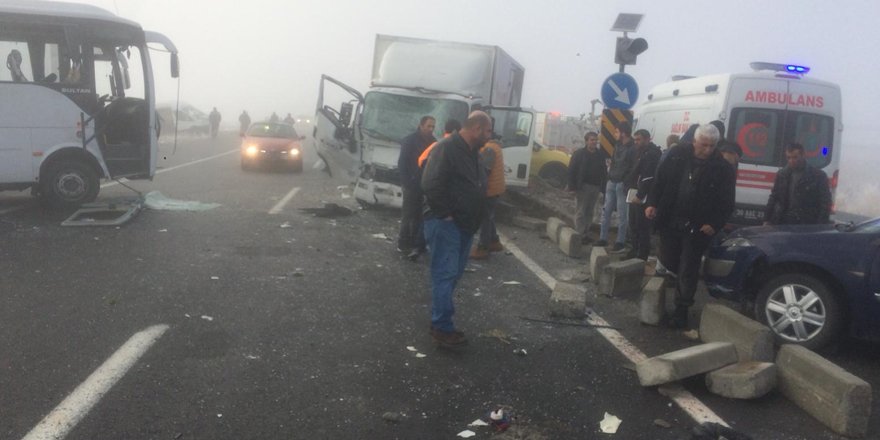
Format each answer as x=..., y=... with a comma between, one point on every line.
x=413, y=255
x=600, y=243
x=679, y=318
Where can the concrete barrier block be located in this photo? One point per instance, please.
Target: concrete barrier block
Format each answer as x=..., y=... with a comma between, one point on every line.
x=529, y=223
x=743, y=380
x=827, y=392
x=554, y=226
x=753, y=341
x=568, y=300
x=652, y=306
x=685, y=363
x=570, y=242
x=599, y=258
x=622, y=278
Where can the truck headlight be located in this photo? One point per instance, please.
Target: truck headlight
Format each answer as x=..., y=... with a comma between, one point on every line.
x=736, y=242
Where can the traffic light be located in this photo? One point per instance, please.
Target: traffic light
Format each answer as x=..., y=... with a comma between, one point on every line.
x=628, y=49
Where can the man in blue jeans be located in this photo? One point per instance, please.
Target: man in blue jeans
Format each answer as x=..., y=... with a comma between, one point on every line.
x=615, y=190
x=452, y=182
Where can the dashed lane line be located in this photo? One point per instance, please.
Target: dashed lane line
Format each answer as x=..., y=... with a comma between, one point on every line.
x=283, y=202
x=696, y=409
x=74, y=408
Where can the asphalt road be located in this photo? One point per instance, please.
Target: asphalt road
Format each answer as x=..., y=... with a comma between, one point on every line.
x=285, y=325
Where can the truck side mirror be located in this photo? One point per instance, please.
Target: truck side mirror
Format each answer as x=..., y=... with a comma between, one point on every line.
x=345, y=111
x=175, y=65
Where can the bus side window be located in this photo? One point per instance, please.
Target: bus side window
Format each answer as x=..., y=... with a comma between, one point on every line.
x=18, y=61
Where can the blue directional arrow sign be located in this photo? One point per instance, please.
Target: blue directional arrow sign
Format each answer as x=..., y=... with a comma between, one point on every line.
x=620, y=91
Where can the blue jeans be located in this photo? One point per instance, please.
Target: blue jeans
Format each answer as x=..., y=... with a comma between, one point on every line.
x=615, y=194
x=449, y=248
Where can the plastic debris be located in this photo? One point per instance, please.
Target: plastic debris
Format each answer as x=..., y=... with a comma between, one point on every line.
x=215, y=278
x=393, y=417
x=662, y=423
x=285, y=225
x=207, y=318
x=157, y=201
x=421, y=355
x=187, y=315
x=163, y=230
x=411, y=348
x=251, y=357
x=520, y=351
x=609, y=424
x=467, y=433
x=478, y=422
x=380, y=236
x=511, y=283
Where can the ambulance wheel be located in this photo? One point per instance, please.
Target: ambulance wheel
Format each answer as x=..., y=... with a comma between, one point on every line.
x=69, y=184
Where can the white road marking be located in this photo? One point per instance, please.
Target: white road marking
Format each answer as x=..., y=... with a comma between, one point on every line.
x=74, y=408
x=682, y=397
x=281, y=203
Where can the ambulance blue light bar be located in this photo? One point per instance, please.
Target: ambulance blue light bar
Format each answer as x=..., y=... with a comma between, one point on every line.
x=777, y=67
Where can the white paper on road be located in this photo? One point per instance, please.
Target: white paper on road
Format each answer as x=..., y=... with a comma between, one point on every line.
x=478, y=422
x=467, y=433
x=156, y=200
x=380, y=236
x=610, y=424
x=512, y=283
x=411, y=348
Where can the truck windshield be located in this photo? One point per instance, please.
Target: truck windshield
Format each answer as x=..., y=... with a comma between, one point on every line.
x=395, y=116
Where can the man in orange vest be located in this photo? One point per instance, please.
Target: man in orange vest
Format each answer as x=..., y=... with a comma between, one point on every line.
x=452, y=126
x=492, y=160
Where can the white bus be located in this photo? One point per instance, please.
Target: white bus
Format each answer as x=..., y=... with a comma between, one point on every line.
x=763, y=111
x=77, y=99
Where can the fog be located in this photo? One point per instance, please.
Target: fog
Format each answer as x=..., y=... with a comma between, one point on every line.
x=267, y=56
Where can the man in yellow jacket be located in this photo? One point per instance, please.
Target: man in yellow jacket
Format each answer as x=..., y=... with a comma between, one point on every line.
x=492, y=160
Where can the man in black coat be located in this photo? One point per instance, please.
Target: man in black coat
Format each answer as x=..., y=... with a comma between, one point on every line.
x=692, y=198
x=640, y=180
x=587, y=175
x=410, y=240
x=800, y=194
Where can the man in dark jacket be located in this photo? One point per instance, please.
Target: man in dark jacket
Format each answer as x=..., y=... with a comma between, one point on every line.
x=615, y=189
x=691, y=200
x=800, y=194
x=587, y=175
x=452, y=182
x=639, y=180
x=410, y=240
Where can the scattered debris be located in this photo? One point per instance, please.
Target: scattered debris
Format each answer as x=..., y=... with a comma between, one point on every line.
x=497, y=334
x=628, y=366
x=511, y=283
x=215, y=278
x=662, y=423
x=286, y=225
x=467, y=433
x=478, y=292
x=520, y=351
x=714, y=431
x=489, y=278
x=163, y=230
x=381, y=236
x=329, y=210
x=500, y=420
x=693, y=335
x=393, y=417
x=478, y=422
x=580, y=388
x=298, y=273
x=342, y=187
x=187, y=315
x=411, y=348
x=251, y=357
x=157, y=201
x=470, y=269
x=609, y=424
x=573, y=324
x=207, y=318
x=421, y=355
x=219, y=415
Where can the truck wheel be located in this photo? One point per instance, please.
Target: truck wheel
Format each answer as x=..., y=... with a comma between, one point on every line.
x=799, y=309
x=69, y=184
x=554, y=173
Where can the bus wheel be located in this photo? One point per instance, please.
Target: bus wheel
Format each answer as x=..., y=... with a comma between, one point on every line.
x=69, y=184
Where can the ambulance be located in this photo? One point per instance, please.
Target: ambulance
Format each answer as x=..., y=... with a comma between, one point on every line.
x=762, y=111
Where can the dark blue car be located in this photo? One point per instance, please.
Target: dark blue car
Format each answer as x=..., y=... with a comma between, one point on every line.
x=808, y=282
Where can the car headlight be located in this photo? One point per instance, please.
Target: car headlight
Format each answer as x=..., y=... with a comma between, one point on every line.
x=294, y=152
x=251, y=150
x=736, y=242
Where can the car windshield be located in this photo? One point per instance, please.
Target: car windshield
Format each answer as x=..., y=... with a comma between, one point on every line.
x=393, y=117
x=272, y=130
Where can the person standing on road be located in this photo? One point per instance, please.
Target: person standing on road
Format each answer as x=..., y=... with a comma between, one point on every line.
x=587, y=176
x=691, y=200
x=244, y=121
x=638, y=183
x=615, y=190
x=800, y=194
x=214, y=119
x=410, y=240
x=289, y=119
x=274, y=118
x=454, y=204
x=492, y=161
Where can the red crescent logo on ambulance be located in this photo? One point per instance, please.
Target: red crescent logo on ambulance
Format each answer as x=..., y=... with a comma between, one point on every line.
x=752, y=137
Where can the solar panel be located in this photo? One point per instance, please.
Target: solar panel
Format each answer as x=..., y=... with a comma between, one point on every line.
x=627, y=22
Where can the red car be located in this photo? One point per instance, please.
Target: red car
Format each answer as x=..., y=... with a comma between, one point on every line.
x=271, y=144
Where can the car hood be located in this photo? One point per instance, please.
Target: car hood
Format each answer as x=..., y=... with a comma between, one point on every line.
x=267, y=143
x=773, y=232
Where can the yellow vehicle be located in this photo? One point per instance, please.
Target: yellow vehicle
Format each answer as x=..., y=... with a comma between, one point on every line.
x=550, y=165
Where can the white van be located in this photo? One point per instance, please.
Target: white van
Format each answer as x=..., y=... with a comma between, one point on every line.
x=762, y=111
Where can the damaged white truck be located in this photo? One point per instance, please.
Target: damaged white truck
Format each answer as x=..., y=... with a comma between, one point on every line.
x=78, y=99
x=413, y=78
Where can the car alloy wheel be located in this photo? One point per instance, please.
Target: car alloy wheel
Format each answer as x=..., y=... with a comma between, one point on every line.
x=800, y=309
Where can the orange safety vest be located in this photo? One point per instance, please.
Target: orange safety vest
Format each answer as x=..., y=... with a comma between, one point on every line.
x=424, y=156
x=496, y=184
